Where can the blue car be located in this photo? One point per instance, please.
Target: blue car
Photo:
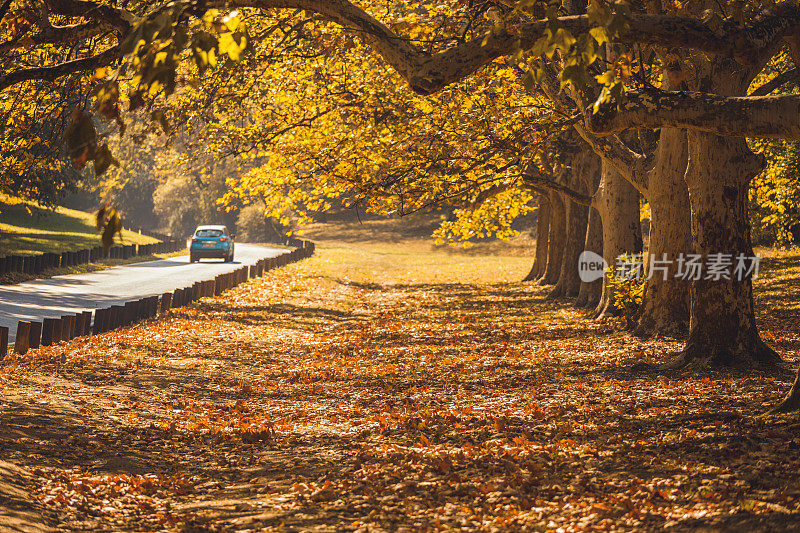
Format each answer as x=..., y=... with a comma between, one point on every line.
x=211, y=241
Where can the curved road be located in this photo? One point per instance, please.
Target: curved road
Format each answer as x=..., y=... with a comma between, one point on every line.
x=62, y=295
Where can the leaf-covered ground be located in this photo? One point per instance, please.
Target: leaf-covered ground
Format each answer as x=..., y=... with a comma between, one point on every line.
x=381, y=388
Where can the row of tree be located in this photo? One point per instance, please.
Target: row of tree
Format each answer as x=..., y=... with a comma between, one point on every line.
x=590, y=105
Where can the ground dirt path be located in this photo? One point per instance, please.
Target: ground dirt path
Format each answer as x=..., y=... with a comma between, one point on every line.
x=324, y=397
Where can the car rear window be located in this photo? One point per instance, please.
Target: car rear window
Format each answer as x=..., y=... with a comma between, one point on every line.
x=209, y=233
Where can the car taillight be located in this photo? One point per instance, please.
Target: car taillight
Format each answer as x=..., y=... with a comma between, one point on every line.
x=223, y=239
x=195, y=239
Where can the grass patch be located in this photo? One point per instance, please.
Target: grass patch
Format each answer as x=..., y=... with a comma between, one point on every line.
x=27, y=229
x=400, y=251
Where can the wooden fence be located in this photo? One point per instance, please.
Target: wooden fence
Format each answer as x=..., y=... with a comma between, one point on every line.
x=31, y=335
x=37, y=264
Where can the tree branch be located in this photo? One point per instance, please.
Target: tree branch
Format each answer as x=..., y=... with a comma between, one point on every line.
x=61, y=35
x=777, y=81
x=427, y=74
x=491, y=192
x=537, y=180
x=632, y=165
x=62, y=69
x=747, y=116
x=4, y=7
x=119, y=18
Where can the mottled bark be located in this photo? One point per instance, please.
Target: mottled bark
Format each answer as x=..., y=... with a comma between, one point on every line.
x=556, y=238
x=590, y=171
x=744, y=116
x=723, y=327
x=665, y=305
x=792, y=400
x=569, y=281
x=617, y=201
x=542, y=236
x=590, y=292
x=722, y=320
x=631, y=165
x=576, y=216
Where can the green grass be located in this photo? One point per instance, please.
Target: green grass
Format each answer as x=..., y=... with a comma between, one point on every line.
x=400, y=251
x=29, y=229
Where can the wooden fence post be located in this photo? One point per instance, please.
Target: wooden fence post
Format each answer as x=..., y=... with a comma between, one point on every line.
x=73, y=324
x=141, y=309
x=48, y=325
x=105, y=321
x=129, y=313
x=117, y=315
x=87, y=323
x=22, y=341
x=3, y=342
x=66, y=327
x=80, y=318
x=99, y=314
x=179, y=298
x=166, y=301
x=35, y=335
x=58, y=330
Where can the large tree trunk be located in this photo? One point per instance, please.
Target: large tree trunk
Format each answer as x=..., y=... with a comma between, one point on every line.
x=617, y=202
x=590, y=292
x=542, y=235
x=792, y=400
x=665, y=305
x=722, y=319
x=577, y=215
x=569, y=281
x=555, y=242
x=590, y=172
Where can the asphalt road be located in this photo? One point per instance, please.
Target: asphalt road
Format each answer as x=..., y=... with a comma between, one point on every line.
x=62, y=295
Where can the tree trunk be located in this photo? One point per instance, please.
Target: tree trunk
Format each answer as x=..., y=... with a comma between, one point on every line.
x=569, y=281
x=792, y=400
x=590, y=171
x=665, y=304
x=590, y=292
x=722, y=320
x=618, y=204
x=555, y=242
x=542, y=231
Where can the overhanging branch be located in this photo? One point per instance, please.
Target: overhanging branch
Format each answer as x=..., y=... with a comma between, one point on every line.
x=746, y=116
x=631, y=165
x=537, y=180
x=777, y=81
x=427, y=74
x=62, y=69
